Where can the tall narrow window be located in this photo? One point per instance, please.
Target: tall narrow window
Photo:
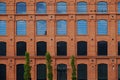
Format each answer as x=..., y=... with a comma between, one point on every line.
x=102, y=48
x=41, y=72
x=61, y=72
x=21, y=28
x=20, y=72
x=61, y=7
x=2, y=48
x=102, y=28
x=3, y=71
x=2, y=8
x=102, y=7
x=41, y=7
x=102, y=72
x=21, y=48
x=118, y=27
x=119, y=72
x=82, y=7
x=82, y=27
x=81, y=48
x=2, y=28
x=61, y=27
x=21, y=8
x=61, y=48
x=41, y=48
x=41, y=27
x=118, y=7
x=119, y=48
x=82, y=71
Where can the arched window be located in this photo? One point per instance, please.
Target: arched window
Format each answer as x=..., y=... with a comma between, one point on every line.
x=82, y=72
x=82, y=7
x=81, y=48
x=61, y=7
x=3, y=71
x=82, y=27
x=41, y=27
x=20, y=72
x=119, y=72
x=118, y=27
x=21, y=48
x=61, y=27
x=61, y=48
x=102, y=72
x=2, y=48
x=41, y=7
x=2, y=27
x=118, y=7
x=119, y=48
x=41, y=72
x=21, y=8
x=102, y=7
x=102, y=28
x=41, y=48
x=21, y=28
x=102, y=48
x=2, y=8
x=61, y=72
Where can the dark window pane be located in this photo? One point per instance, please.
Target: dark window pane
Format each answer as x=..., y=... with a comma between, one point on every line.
x=82, y=27
x=61, y=72
x=3, y=72
x=81, y=48
x=2, y=8
x=2, y=48
x=61, y=27
x=82, y=7
x=2, y=28
x=21, y=48
x=21, y=27
x=41, y=72
x=102, y=48
x=61, y=7
x=82, y=72
x=21, y=8
x=41, y=27
x=20, y=72
x=119, y=72
x=102, y=72
x=41, y=7
x=102, y=27
x=118, y=48
x=102, y=7
x=41, y=48
x=61, y=48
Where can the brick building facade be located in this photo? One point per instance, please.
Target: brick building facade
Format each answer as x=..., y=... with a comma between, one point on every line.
x=99, y=46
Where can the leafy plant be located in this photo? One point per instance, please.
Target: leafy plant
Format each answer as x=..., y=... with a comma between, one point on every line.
x=27, y=67
x=73, y=68
x=49, y=67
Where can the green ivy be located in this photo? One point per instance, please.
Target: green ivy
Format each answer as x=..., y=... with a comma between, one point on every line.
x=49, y=67
x=27, y=67
x=73, y=68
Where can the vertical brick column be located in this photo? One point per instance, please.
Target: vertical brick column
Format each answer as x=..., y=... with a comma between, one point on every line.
x=71, y=35
x=92, y=32
x=51, y=34
x=11, y=69
x=112, y=74
x=92, y=69
x=31, y=35
x=11, y=34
